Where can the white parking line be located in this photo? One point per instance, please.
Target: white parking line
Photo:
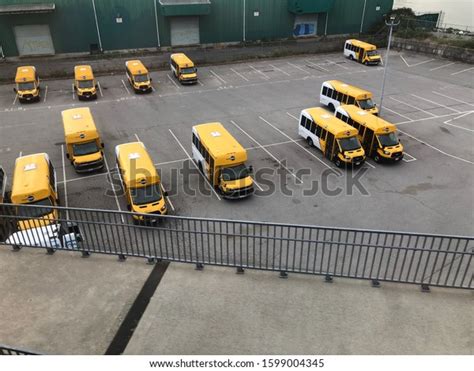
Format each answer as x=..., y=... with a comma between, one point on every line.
x=125, y=86
x=14, y=99
x=100, y=89
x=467, y=69
x=258, y=185
x=299, y=145
x=64, y=181
x=172, y=80
x=279, y=69
x=113, y=188
x=45, y=93
x=217, y=76
x=294, y=117
x=395, y=112
x=316, y=65
x=442, y=66
x=297, y=67
x=239, y=74
x=167, y=197
x=409, y=105
x=137, y=138
x=411, y=159
x=448, y=122
x=420, y=63
x=189, y=157
x=20, y=154
x=455, y=99
x=200, y=83
x=337, y=64
x=429, y=118
x=403, y=59
x=435, y=103
x=369, y=164
x=436, y=149
x=258, y=71
x=73, y=93
x=269, y=153
x=153, y=89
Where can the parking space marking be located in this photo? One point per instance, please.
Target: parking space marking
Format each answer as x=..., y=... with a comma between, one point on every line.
x=436, y=149
x=295, y=142
x=167, y=197
x=316, y=65
x=268, y=152
x=100, y=89
x=153, y=89
x=73, y=93
x=239, y=74
x=297, y=67
x=399, y=114
x=455, y=99
x=428, y=118
x=45, y=93
x=266, y=77
x=448, y=122
x=20, y=154
x=411, y=159
x=137, y=138
x=369, y=164
x=171, y=162
x=423, y=62
x=442, y=66
x=409, y=105
x=279, y=69
x=172, y=81
x=125, y=86
x=192, y=161
x=294, y=117
x=14, y=99
x=113, y=187
x=64, y=181
x=199, y=82
x=218, y=77
x=435, y=103
x=338, y=64
x=258, y=185
x=467, y=69
x=403, y=59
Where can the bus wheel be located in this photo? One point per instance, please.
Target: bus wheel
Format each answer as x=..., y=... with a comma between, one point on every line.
x=351, y=57
x=331, y=106
x=376, y=158
x=309, y=141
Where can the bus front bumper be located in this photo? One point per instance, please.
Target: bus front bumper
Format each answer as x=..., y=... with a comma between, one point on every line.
x=88, y=167
x=238, y=193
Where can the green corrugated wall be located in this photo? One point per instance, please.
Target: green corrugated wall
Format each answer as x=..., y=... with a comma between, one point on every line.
x=73, y=27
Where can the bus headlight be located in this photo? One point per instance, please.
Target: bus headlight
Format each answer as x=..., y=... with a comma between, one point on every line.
x=163, y=208
x=347, y=157
x=386, y=152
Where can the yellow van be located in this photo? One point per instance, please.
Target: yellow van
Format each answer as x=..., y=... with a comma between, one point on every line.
x=334, y=93
x=222, y=160
x=378, y=136
x=34, y=183
x=83, y=142
x=183, y=68
x=138, y=76
x=337, y=140
x=84, y=82
x=27, y=84
x=141, y=182
x=362, y=52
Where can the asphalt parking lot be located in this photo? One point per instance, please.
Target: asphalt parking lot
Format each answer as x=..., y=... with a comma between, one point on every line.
x=431, y=101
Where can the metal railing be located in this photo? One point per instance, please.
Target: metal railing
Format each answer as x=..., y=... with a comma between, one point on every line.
x=10, y=351
x=415, y=258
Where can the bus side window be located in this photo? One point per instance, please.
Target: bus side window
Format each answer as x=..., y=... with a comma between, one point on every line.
x=339, y=115
x=52, y=181
x=318, y=131
x=323, y=134
x=351, y=100
x=345, y=118
x=308, y=124
x=303, y=121
x=325, y=90
x=339, y=96
x=334, y=94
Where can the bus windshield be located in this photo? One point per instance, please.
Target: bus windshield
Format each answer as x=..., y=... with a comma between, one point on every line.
x=235, y=172
x=186, y=71
x=366, y=103
x=387, y=140
x=83, y=149
x=146, y=195
x=141, y=78
x=372, y=53
x=86, y=84
x=35, y=212
x=349, y=144
x=26, y=86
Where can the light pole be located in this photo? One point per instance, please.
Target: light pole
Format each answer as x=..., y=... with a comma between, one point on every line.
x=391, y=24
x=363, y=16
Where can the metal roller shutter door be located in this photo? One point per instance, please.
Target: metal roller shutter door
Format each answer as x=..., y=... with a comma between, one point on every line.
x=184, y=30
x=33, y=40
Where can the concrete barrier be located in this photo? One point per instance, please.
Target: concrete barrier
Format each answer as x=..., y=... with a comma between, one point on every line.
x=440, y=50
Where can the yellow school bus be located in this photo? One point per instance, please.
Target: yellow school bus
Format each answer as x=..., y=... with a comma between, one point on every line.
x=34, y=183
x=27, y=84
x=84, y=82
x=337, y=140
x=138, y=76
x=83, y=142
x=362, y=52
x=222, y=160
x=141, y=182
x=183, y=68
x=334, y=93
x=378, y=136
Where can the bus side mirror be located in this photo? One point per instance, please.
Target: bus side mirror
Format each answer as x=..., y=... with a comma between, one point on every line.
x=250, y=169
x=102, y=145
x=151, y=79
x=67, y=155
x=14, y=89
x=165, y=193
x=97, y=86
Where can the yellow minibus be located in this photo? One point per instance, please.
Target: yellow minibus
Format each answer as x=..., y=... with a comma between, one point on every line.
x=84, y=82
x=138, y=76
x=183, y=68
x=362, y=52
x=27, y=84
x=334, y=93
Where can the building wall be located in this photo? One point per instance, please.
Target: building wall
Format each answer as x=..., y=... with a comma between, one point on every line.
x=73, y=27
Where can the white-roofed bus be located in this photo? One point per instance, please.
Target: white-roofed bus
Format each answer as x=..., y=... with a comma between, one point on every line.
x=334, y=93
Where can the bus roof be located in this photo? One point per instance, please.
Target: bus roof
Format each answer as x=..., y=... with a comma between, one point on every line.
x=350, y=90
x=362, y=44
x=375, y=123
x=136, y=67
x=79, y=125
x=182, y=60
x=25, y=73
x=220, y=143
x=83, y=72
x=30, y=178
x=331, y=123
x=143, y=172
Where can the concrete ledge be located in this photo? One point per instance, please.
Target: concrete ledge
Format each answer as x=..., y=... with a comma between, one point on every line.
x=440, y=50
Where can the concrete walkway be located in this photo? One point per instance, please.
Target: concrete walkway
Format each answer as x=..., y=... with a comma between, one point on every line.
x=219, y=312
